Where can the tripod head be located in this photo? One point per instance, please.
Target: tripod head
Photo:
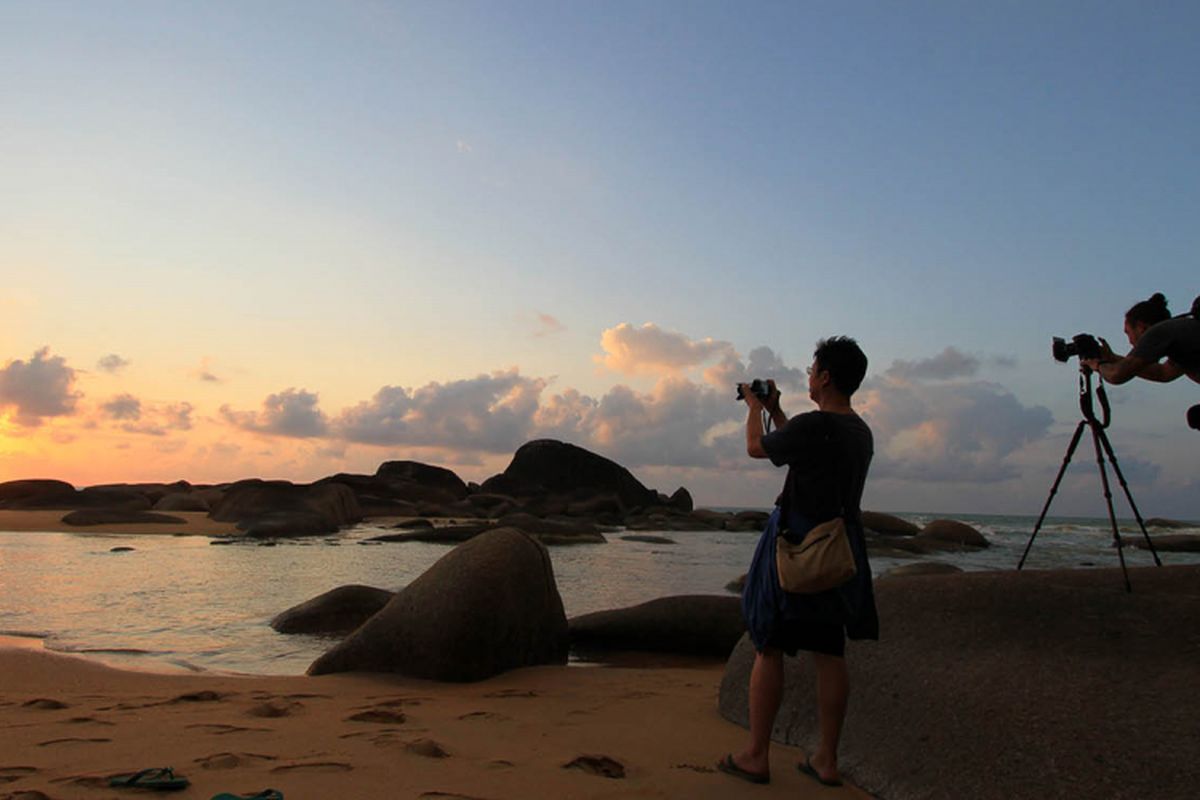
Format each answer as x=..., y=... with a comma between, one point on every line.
x=1085, y=398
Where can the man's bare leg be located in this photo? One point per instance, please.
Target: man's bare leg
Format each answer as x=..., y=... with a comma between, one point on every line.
x=833, y=693
x=766, y=692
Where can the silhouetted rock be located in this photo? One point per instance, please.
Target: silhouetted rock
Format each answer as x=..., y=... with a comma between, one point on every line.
x=181, y=501
x=424, y=475
x=1169, y=543
x=36, y=493
x=636, y=537
x=951, y=532
x=687, y=624
x=108, y=516
x=337, y=611
x=920, y=568
x=336, y=504
x=549, y=466
x=1160, y=522
x=682, y=500
x=487, y=606
x=280, y=524
x=888, y=525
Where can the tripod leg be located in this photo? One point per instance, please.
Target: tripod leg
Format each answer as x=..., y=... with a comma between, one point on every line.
x=1097, y=432
x=1053, y=489
x=1112, y=457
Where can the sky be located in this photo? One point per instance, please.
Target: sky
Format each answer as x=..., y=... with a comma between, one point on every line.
x=293, y=239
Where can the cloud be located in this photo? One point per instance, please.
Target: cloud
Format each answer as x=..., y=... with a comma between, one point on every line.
x=289, y=413
x=492, y=413
x=463, y=147
x=38, y=388
x=672, y=424
x=153, y=420
x=946, y=365
x=650, y=349
x=204, y=372
x=955, y=432
x=124, y=406
x=763, y=363
x=111, y=363
x=547, y=326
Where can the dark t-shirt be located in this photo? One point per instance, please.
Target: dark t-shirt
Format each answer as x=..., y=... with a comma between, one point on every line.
x=1177, y=339
x=822, y=483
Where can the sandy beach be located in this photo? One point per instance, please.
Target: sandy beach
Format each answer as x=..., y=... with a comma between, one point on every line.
x=67, y=724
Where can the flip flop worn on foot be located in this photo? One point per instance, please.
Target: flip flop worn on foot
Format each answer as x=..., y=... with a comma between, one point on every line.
x=808, y=769
x=158, y=779
x=730, y=767
x=265, y=794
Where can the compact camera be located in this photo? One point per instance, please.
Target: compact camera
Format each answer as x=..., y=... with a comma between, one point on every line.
x=758, y=388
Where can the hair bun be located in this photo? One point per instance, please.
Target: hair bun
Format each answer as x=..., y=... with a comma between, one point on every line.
x=1158, y=299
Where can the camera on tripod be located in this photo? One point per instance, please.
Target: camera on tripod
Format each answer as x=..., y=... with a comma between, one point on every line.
x=1083, y=345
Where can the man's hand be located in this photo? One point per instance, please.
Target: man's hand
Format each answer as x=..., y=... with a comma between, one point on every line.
x=772, y=403
x=751, y=398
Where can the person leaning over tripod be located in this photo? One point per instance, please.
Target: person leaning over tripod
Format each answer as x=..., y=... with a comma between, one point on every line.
x=1154, y=335
x=827, y=453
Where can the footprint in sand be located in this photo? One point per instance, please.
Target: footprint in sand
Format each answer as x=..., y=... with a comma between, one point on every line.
x=396, y=702
x=485, y=716
x=427, y=748
x=29, y=794
x=72, y=741
x=603, y=766
x=45, y=704
x=274, y=709
x=10, y=774
x=232, y=760
x=381, y=716
x=314, y=766
x=513, y=693
x=219, y=729
x=87, y=721
x=206, y=696
x=694, y=768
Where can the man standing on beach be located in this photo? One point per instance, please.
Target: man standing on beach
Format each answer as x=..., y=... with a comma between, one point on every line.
x=827, y=453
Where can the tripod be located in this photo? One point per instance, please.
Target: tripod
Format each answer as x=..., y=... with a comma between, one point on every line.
x=1099, y=439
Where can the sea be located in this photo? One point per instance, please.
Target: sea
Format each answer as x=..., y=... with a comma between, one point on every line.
x=179, y=603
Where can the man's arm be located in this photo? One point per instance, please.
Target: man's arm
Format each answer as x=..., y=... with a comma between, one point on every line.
x=1130, y=367
x=754, y=418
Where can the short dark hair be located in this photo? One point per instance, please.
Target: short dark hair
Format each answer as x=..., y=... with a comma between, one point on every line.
x=1149, y=312
x=844, y=360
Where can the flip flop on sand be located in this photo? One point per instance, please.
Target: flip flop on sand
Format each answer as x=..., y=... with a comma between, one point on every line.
x=265, y=794
x=158, y=779
x=730, y=767
x=808, y=769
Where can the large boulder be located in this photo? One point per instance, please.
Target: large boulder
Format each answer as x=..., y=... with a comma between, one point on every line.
x=681, y=500
x=690, y=624
x=251, y=499
x=487, y=606
x=423, y=475
x=952, y=532
x=1000, y=685
x=888, y=525
x=338, y=611
x=550, y=466
x=37, y=493
x=181, y=501
x=281, y=524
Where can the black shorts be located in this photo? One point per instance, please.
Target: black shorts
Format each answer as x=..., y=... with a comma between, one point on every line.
x=815, y=637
